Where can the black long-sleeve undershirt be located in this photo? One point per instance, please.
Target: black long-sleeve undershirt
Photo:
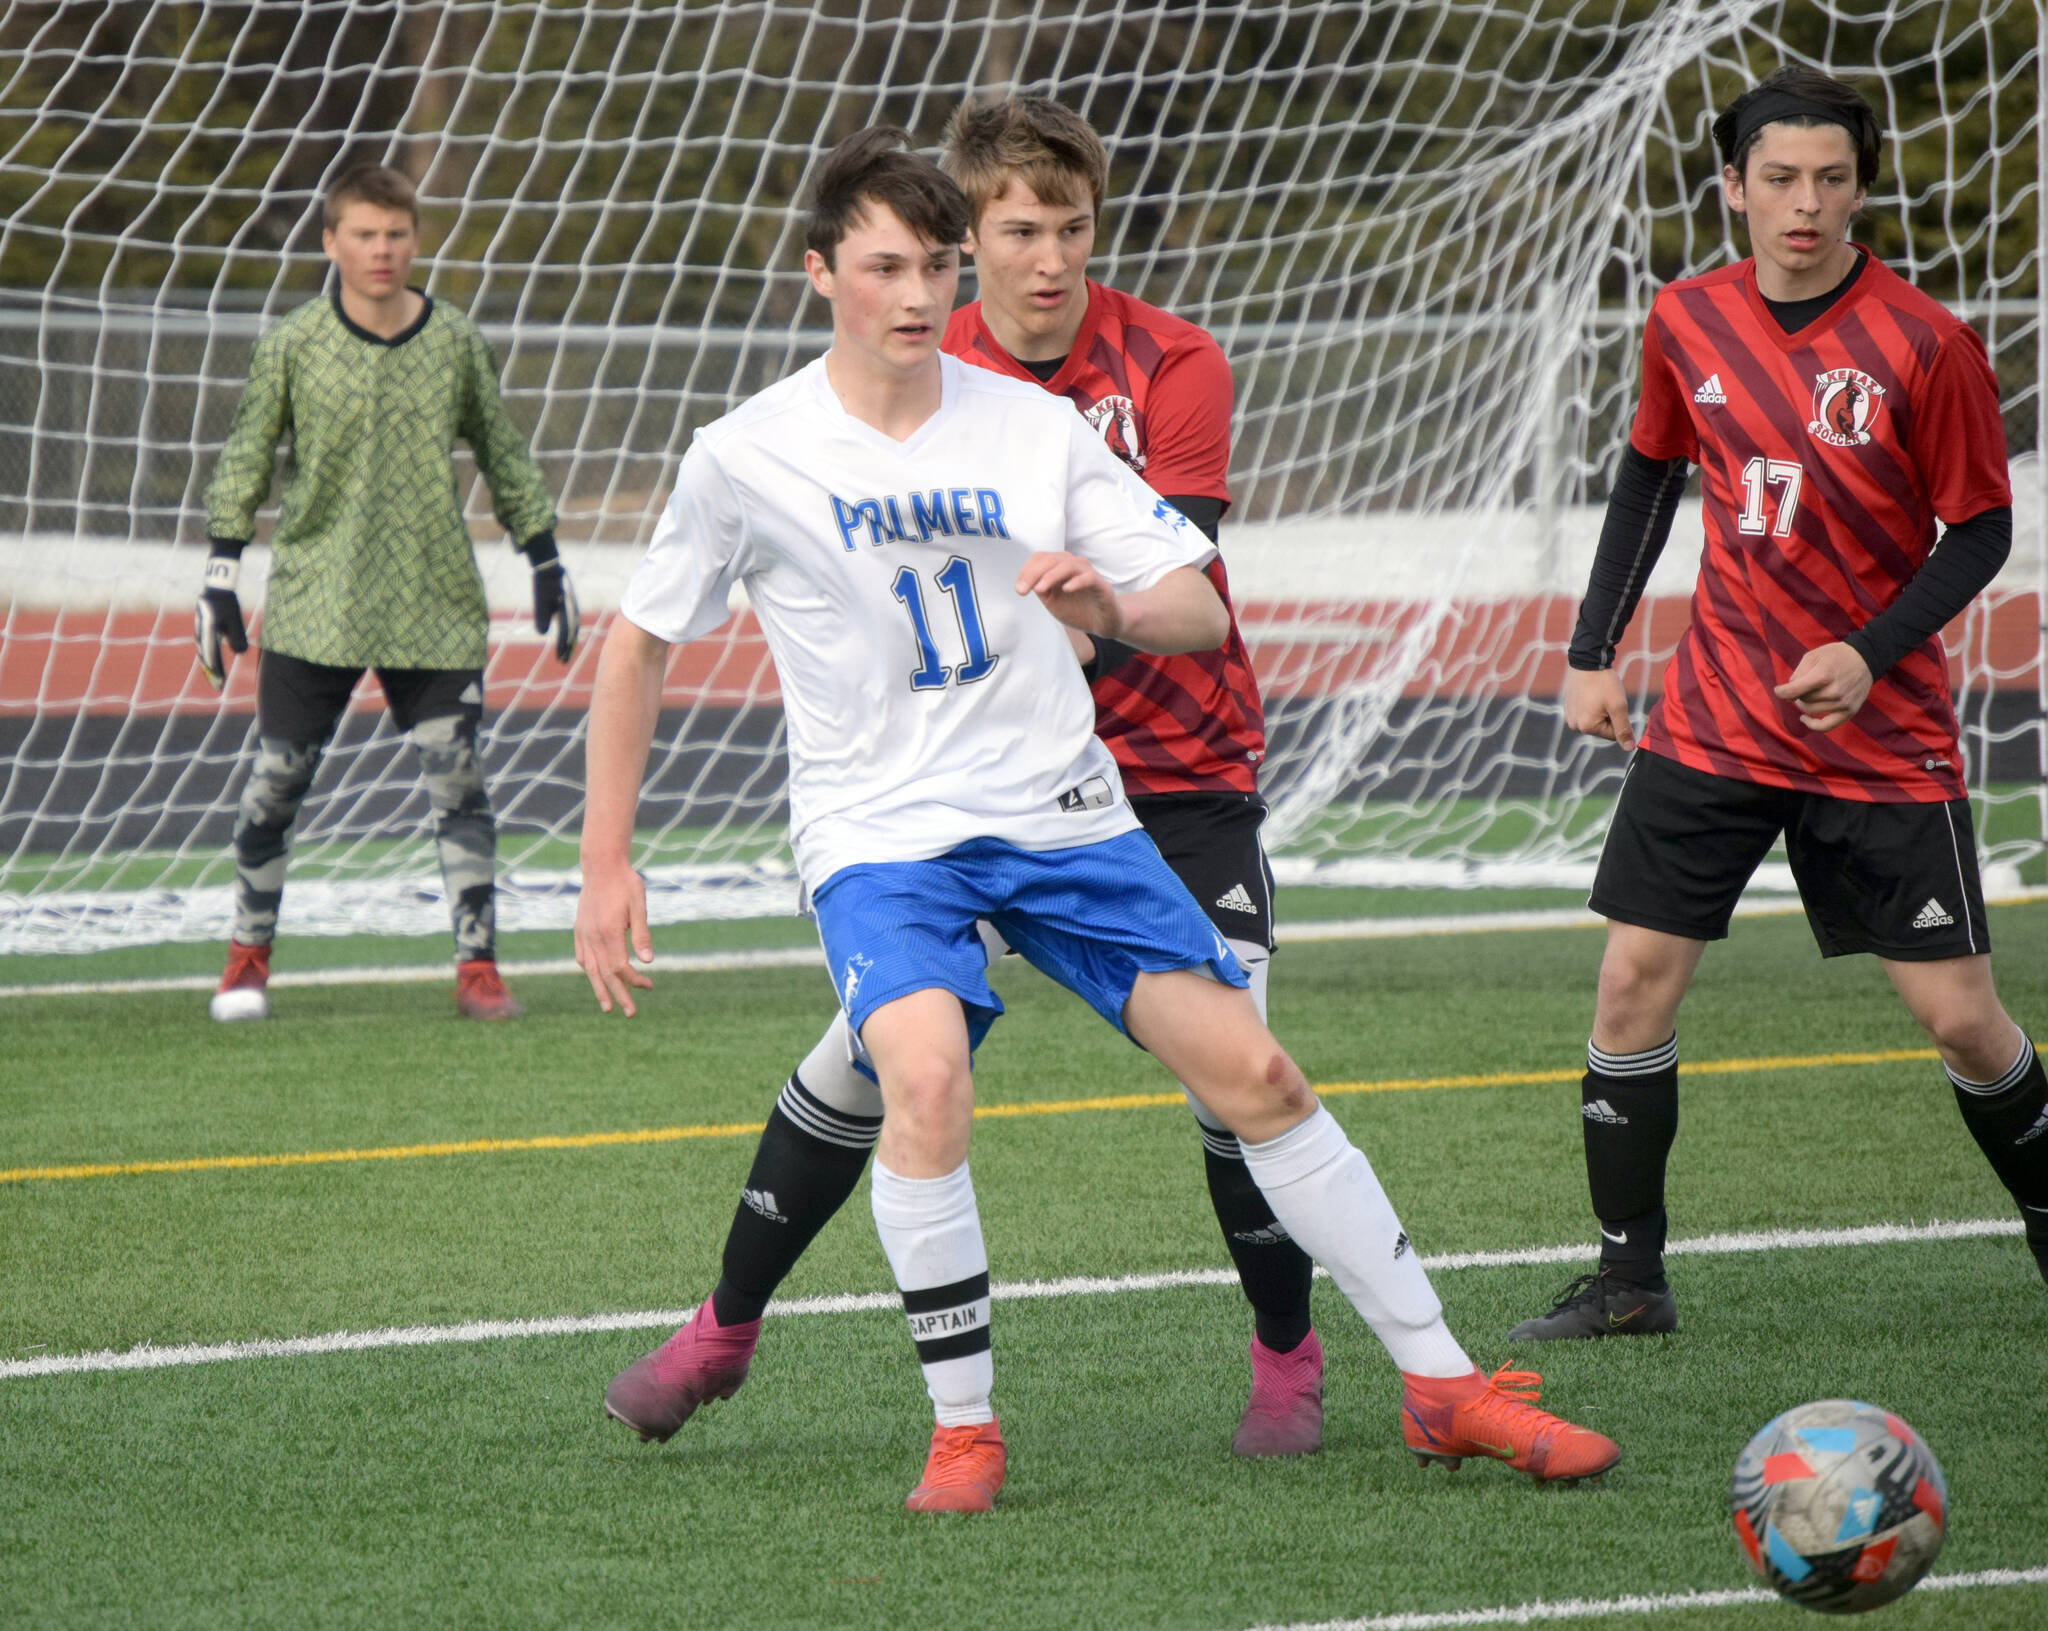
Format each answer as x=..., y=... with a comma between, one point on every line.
x=1640, y=511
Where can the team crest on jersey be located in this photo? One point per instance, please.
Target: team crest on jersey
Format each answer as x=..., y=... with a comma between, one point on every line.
x=1115, y=420
x=1846, y=403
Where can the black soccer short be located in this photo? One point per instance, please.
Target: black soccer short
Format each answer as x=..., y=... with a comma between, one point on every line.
x=1211, y=841
x=1897, y=880
x=298, y=701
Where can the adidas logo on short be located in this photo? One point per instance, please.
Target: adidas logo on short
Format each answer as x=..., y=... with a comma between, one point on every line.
x=1238, y=900
x=763, y=1201
x=1400, y=1245
x=1601, y=1110
x=1932, y=916
x=1710, y=391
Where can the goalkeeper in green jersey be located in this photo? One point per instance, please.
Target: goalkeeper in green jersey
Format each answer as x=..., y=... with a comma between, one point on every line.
x=372, y=567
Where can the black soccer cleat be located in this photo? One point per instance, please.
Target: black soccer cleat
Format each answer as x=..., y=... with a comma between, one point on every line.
x=1599, y=1305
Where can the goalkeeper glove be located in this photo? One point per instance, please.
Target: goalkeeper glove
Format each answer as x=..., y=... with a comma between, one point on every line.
x=554, y=596
x=218, y=616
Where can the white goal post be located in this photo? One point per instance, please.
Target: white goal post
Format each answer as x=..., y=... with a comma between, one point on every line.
x=1426, y=235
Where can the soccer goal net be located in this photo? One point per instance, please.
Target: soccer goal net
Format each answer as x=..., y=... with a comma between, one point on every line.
x=1425, y=234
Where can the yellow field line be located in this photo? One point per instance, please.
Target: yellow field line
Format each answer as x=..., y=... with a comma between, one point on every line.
x=986, y=1112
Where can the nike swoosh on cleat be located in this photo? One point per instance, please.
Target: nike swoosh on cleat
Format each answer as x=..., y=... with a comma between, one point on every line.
x=1619, y=1240
x=1505, y=1451
x=1623, y=1319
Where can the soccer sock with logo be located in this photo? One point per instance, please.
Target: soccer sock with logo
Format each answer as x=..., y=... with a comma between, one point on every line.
x=1325, y=1193
x=1629, y=1109
x=808, y=1162
x=1276, y=1274
x=2009, y=1120
x=931, y=1234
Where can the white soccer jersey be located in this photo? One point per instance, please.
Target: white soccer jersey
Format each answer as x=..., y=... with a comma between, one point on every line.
x=927, y=702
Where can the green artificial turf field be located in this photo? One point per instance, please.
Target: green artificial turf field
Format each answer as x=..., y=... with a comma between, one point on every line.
x=477, y=1483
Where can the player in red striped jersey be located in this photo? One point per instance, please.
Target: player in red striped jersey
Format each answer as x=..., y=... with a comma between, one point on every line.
x=1836, y=413
x=1187, y=733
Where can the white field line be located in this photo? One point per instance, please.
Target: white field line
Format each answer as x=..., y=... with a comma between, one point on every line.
x=1305, y=932
x=147, y=1357
x=1600, y=1608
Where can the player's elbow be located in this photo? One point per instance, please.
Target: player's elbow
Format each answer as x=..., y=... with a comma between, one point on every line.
x=1200, y=622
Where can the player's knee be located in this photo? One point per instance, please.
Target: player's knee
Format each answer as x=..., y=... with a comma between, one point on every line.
x=1284, y=1088
x=450, y=767
x=1637, y=992
x=278, y=783
x=1967, y=1030
x=930, y=1089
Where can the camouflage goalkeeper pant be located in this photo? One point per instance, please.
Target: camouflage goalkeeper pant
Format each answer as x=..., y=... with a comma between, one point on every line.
x=465, y=832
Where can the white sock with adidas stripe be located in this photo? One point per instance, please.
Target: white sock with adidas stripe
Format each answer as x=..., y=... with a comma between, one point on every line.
x=1325, y=1194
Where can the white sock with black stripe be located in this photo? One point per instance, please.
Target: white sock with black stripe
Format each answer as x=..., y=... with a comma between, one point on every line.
x=931, y=1234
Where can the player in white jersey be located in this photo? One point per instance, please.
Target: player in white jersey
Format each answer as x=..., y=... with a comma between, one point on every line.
x=903, y=527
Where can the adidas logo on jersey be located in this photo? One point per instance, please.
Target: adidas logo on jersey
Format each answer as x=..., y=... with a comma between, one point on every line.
x=1710, y=392
x=1601, y=1110
x=763, y=1201
x=1932, y=916
x=1238, y=900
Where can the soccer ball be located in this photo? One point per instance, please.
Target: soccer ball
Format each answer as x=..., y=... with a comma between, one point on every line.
x=1839, y=1506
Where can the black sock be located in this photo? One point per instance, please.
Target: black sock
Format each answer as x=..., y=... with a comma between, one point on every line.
x=1629, y=1106
x=2009, y=1120
x=1275, y=1273
x=809, y=1159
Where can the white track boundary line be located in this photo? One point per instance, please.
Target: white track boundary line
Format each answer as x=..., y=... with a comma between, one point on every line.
x=1600, y=1608
x=716, y=962
x=146, y=1357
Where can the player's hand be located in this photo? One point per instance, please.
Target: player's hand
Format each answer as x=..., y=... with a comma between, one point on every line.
x=1073, y=591
x=611, y=914
x=1595, y=703
x=1830, y=684
x=554, y=601
x=217, y=619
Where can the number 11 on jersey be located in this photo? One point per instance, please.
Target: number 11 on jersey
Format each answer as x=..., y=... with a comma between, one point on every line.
x=956, y=578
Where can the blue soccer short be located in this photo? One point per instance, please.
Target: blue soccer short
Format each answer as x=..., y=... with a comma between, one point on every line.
x=1093, y=917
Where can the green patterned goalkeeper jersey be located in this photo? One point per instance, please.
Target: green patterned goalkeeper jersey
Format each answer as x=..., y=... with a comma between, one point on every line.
x=371, y=563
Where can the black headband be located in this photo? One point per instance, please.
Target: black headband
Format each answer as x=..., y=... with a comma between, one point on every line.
x=1770, y=106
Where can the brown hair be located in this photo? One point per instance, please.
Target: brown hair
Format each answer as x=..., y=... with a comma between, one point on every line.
x=879, y=166
x=1029, y=138
x=376, y=184
x=1808, y=99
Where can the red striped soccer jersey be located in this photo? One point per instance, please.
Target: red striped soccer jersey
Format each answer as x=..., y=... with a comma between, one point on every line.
x=1159, y=391
x=1826, y=456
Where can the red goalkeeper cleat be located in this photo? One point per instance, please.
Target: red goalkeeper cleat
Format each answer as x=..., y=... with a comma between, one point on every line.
x=660, y=1391
x=244, y=989
x=963, y=1472
x=1446, y=1419
x=480, y=994
x=1285, y=1414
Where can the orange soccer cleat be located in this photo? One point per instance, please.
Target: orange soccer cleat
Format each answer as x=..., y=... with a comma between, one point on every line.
x=480, y=994
x=1446, y=1419
x=244, y=989
x=963, y=1472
